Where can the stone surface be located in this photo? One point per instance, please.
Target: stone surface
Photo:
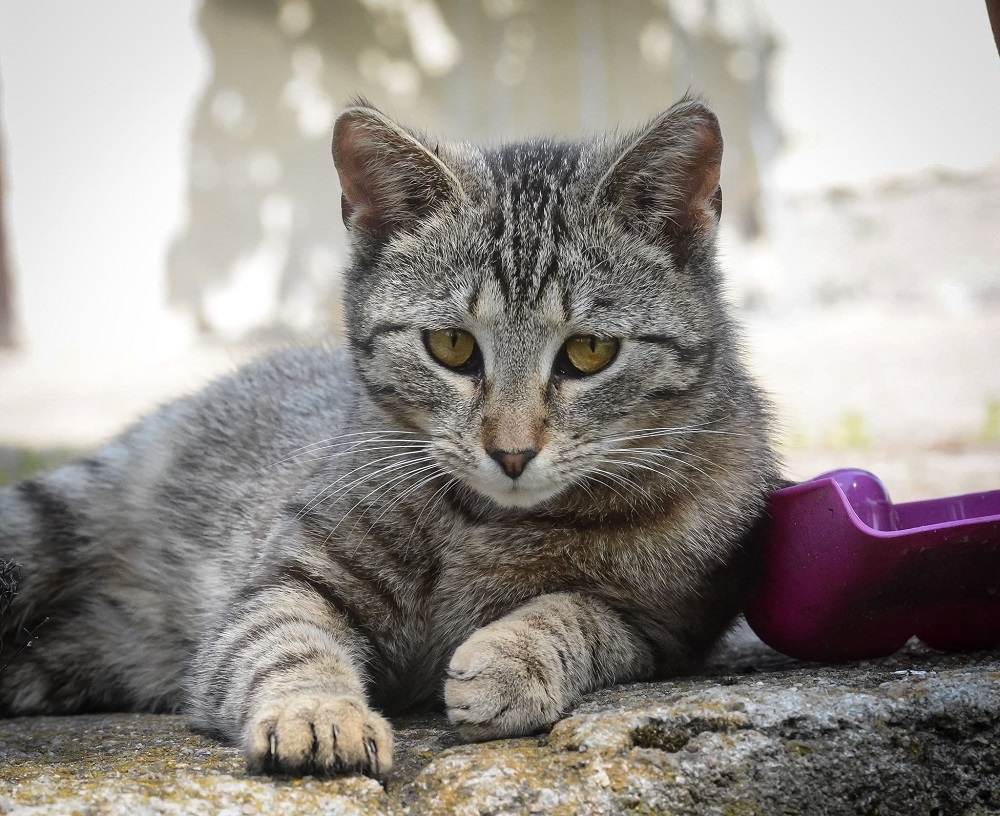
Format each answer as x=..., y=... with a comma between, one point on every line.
x=755, y=734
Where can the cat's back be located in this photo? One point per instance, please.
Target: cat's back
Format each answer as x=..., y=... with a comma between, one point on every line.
x=201, y=476
x=267, y=408
x=227, y=456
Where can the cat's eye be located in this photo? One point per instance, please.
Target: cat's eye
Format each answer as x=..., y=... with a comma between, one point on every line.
x=586, y=354
x=453, y=348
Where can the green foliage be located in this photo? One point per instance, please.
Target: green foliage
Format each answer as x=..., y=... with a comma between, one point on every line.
x=990, y=432
x=849, y=433
x=18, y=464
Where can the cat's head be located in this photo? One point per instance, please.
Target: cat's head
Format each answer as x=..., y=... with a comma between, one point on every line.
x=539, y=309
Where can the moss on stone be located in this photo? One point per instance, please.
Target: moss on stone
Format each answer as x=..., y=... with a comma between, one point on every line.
x=764, y=743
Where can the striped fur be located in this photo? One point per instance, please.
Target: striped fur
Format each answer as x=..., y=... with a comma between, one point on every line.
x=323, y=538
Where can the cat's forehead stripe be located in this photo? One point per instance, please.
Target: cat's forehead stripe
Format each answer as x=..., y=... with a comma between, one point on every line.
x=528, y=221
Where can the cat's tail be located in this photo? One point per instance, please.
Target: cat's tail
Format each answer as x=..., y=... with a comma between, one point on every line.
x=51, y=558
x=44, y=552
x=10, y=582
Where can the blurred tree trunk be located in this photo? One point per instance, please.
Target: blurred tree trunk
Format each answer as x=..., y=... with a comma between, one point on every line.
x=993, y=11
x=6, y=273
x=262, y=188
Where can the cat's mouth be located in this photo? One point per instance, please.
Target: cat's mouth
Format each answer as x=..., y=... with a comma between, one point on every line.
x=528, y=490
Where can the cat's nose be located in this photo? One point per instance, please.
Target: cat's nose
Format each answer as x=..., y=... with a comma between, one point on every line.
x=513, y=462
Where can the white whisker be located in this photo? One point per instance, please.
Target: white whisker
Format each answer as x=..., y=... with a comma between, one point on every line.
x=410, y=459
x=382, y=487
x=332, y=456
x=426, y=504
x=627, y=484
x=662, y=454
x=402, y=496
x=671, y=476
x=326, y=444
x=675, y=454
x=658, y=432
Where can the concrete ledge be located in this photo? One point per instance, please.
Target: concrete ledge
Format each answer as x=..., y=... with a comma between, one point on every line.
x=915, y=733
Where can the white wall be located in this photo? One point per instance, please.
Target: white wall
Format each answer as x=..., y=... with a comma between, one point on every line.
x=97, y=96
x=870, y=88
x=96, y=99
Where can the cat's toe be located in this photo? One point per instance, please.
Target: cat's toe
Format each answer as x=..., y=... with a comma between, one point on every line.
x=500, y=686
x=319, y=735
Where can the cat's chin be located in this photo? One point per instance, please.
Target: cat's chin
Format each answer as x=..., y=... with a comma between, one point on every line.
x=518, y=496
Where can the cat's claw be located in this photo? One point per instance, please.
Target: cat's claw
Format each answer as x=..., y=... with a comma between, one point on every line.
x=502, y=682
x=319, y=735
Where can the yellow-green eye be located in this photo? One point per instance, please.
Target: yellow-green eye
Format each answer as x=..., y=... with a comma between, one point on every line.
x=588, y=353
x=450, y=347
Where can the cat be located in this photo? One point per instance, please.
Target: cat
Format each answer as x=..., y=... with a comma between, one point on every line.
x=539, y=468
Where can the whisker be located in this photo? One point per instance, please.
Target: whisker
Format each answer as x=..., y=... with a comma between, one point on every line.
x=595, y=475
x=617, y=478
x=353, y=443
x=669, y=453
x=671, y=476
x=332, y=456
x=321, y=498
x=353, y=434
x=382, y=487
x=650, y=434
x=660, y=453
x=423, y=509
x=402, y=496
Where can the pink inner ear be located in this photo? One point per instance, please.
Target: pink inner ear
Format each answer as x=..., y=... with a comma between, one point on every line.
x=703, y=175
x=350, y=154
x=354, y=205
x=667, y=183
x=388, y=178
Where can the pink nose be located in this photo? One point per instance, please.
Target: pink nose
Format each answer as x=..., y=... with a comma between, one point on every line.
x=513, y=462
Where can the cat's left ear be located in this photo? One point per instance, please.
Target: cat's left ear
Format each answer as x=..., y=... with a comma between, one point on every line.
x=664, y=180
x=389, y=179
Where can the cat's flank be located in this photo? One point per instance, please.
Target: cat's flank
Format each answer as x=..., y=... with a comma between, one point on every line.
x=537, y=470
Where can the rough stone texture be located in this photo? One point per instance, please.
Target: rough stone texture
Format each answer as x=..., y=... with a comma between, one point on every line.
x=918, y=733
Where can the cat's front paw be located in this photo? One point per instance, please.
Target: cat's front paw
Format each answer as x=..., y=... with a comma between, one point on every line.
x=505, y=681
x=317, y=734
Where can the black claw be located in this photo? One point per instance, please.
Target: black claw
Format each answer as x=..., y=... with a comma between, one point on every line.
x=337, y=767
x=312, y=765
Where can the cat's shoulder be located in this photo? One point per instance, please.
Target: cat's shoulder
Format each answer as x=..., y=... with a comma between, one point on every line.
x=304, y=370
x=278, y=388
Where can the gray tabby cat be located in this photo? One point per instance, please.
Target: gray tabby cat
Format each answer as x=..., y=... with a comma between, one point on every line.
x=537, y=470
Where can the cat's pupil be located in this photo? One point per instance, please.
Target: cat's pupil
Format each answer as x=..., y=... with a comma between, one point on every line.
x=593, y=344
x=453, y=336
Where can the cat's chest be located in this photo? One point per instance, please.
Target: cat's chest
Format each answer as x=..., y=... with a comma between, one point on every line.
x=480, y=574
x=478, y=577
x=485, y=571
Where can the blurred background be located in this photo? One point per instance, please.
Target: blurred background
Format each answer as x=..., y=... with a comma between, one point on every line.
x=169, y=208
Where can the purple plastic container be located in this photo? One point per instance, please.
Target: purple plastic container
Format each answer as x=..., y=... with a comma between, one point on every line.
x=850, y=575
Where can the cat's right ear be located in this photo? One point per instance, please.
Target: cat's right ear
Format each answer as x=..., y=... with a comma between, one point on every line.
x=388, y=177
x=663, y=181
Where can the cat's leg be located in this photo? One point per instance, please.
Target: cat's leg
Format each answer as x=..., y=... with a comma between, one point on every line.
x=282, y=679
x=524, y=671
